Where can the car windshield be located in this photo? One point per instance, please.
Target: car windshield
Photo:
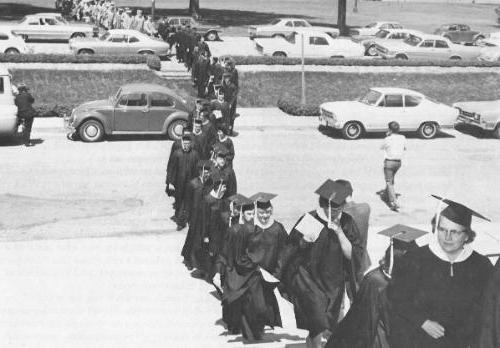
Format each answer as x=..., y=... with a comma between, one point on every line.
x=371, y=97
x=412, y=40
x=371, y=25
x=22, y=19
x=382, y=34
x=105, y=36
x=276, y=21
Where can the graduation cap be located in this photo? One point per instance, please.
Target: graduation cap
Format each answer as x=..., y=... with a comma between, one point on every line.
x=242, y=203
x=333, y=192
x=221, y=151
x=402, y=238
x=457, y=212
x=262, y=199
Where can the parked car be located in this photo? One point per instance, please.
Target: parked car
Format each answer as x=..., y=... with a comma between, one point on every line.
x=371, y=113
x=11, y=43
x=134, y=109
x=425, y=46
x=490, y=54
x=381, y=37
x=316, y=44
x=481, y=114
x=50, y=26
x=286, y=26
x=8, y=116
x=120, y=42
x=373, y=28
x=459, y=33
x=209, y=32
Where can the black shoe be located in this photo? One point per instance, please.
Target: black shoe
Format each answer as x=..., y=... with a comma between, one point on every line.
x=394, y=207
x=180, y=227
x=173, y=218
x=198, y=274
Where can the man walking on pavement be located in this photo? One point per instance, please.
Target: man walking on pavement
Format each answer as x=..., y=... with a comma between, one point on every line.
x=25, y=112
x=394, y=147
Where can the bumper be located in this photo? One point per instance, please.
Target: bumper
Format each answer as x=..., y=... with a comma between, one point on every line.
x=471, y=122
x=329, y=122
x=8, y=126
x=68, y=127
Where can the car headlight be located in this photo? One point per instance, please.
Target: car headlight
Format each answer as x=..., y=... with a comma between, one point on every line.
x=477, y=117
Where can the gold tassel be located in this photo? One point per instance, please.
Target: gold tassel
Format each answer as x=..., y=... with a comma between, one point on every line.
x=451, y=269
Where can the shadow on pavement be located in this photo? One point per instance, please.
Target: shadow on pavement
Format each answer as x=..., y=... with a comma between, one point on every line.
x=334, y=133
x=269, y=337
x=13, y=11
x=136, y=137
x=474, y=131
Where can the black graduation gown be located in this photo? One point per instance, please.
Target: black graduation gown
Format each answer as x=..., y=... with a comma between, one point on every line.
x=366, y=323
x=201, y=145
x=229, y=146
x=228, y=172
x=314, y=275
x=489, y=323
x=423, y=289
x=209, y=130
x=193, y=245
x=181, y=168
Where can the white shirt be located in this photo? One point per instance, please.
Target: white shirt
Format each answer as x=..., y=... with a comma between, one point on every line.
x=394, y=146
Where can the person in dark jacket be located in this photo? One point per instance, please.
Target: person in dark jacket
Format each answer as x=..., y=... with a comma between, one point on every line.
x=201, y=73
x=230, y=92
x=25, y=112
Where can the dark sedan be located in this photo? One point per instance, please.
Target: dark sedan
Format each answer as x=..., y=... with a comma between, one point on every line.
x=460, y=33
x=134, y=109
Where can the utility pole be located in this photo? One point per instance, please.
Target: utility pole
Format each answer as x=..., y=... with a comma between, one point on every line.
x=153, y=9
x=303, y=96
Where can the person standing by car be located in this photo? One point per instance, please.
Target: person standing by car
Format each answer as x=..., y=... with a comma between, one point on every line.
x=127, y=19
x=149, y=27
x=25, y=112
x=394, y=147
x=138, y=22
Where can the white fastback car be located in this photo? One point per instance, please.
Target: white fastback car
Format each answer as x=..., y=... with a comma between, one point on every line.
x=8, y=116
x=373, y=112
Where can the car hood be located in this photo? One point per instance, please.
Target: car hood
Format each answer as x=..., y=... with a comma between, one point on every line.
x=331, y=29
x=95, y=104
x=396, y=45
x=479, y=106
x=343, y=107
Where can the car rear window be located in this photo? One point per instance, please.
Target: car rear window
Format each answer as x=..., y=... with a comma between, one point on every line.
x=412, y=100
x=393, y=101
x=161, y=100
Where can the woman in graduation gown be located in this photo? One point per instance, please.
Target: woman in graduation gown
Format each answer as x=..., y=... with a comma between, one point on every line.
x=314, y=274
x=244, y=307
x=435, y=297
x=489, y=330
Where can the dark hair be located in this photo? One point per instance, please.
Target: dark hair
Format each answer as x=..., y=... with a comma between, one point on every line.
x=394, y=126
x=216, y=60
x=346, y=184
x=471, y=234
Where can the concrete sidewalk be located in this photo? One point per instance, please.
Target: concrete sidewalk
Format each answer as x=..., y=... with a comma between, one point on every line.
x=249, y=118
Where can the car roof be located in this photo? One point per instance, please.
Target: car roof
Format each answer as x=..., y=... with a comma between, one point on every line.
x=47, y=14
x=397, y=90
x=311, y=30
x=291, y=19
x=147, y=87
x=410, y=31
x=425, y=36
x=125, y=32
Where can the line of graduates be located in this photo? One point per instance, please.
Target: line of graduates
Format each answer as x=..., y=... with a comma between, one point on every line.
x=443, y=294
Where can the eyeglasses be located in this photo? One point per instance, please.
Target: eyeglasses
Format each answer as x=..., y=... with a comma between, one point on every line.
x=456, y=233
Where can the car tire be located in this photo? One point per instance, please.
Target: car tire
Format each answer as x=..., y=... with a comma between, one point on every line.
x=91, y=131
x=372, y=51
x=278, y=35
x=211, y=36
x=175, y=128
x=455, y=58
x=85, y=51
x=146, y=53
x=496, y=132
x=279, y=54
x=12, y=50
x=402, y=56
x=427, y=130
x=352, y=130
x=77, y=35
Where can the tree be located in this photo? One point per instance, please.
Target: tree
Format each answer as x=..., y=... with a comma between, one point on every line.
x=341, y=19
x=194, y=7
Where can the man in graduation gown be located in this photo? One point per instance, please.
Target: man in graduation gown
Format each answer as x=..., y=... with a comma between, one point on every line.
x=200, y=140
x=366, y=324
x=226, y=142
x=435, y=296
x=207, y=127
x=489, y=323
x=230, y=91
x=195, y=193
x=181, y=168
x=317, y=268
x=220, y=167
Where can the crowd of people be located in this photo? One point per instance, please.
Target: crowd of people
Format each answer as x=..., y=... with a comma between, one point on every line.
x=443, y=294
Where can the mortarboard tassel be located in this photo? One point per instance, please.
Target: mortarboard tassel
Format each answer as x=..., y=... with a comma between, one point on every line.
x=240, y=220
x=451, y=269
x=391, y=257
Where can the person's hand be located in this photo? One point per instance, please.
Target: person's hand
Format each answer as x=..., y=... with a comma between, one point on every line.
x=205, y=240
x=433, y=329
x=335, y=226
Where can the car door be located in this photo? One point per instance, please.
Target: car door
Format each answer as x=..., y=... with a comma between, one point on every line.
x=117, y=44
x=442, y=50
x=464, y=34
x=453, y=33
x=424, y=50
x=30, y=27
x=54, y=30
x=413, y=115
x=317, y=46
x=390, y=108
x=132, y=113
x=161, y=107
x=134, y=44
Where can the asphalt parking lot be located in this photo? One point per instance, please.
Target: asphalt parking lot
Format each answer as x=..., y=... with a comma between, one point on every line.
x=89, y=255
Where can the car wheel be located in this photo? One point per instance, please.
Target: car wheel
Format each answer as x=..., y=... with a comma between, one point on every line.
x=278, y=35
x=85, y=52
x=279, y=54
x=372, y=51
x=91, y=131
x=211, y=36
x=337, y=57
x=352, y=130
x=478, y=41
x=455, y=58
x=427, y=130
x=12, y=51
x=77, y=35
x=496, y=132
x=401, y=56
x=175, y=129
